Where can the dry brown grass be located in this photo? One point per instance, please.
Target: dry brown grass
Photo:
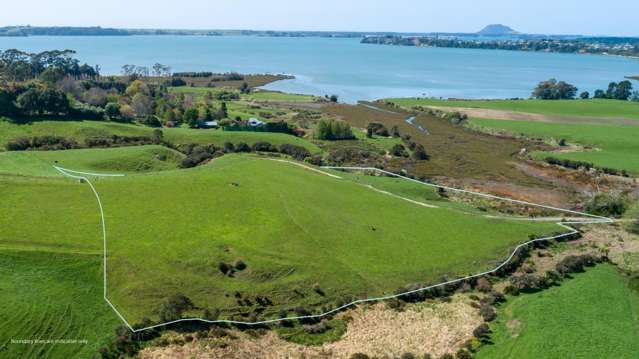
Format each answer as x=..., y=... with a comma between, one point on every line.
x=436, y=328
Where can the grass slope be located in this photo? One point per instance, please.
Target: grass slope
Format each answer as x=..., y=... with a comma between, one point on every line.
x=49, y=296
x=80, y=130
x=594, y=315
x=172, y=228
x=121, y=160
x=618, y=144
x=588, y=108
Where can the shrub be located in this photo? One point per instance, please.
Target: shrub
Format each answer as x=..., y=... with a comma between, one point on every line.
x=378, y=129
x=487, y=312
x=177, y=82
x=463, y=353
x=606, y=205
x=150, y=121
x=242, y=147
x=408, y=356
x=399, y=150
x=172, y=308
x=526, y=283
x=575, y=264
x=297, y=152
x=19, y=144
x=239, y=265
x=224, y=268
x=229, y=147
x=420, y=153
x=484, y=285
x=482, y=332
x=264, y=146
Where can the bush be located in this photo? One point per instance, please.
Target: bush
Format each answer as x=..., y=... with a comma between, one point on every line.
x=239, y=265
x=264, y=146
x=484, y=285
x=150, y=121
x=575, y=264
x=399, y=150
x=242, y=147
x=487, y=312
x=229, y=147
x=177, y=82
x=297, y=152
x=378, y=129
x=333, y=130
x=172, y=308
x=420, y=153
x=606, y=205
x=482, y=332
x=44, y=143
x=526, y=283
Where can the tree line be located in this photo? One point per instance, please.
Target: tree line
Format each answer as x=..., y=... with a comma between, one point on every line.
x=561, y=90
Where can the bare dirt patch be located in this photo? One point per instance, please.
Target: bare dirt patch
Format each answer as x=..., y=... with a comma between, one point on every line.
x=436, y=328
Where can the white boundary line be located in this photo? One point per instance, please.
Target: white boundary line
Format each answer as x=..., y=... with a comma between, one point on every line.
x=564, y=224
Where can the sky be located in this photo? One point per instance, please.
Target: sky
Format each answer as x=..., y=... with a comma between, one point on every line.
x=588, y=17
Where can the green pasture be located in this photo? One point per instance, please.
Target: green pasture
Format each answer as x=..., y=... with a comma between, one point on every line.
x=586, y=108
x=52, y=297
x=594, y=315
x=616, y=146
x=108, y=160
x=294, y=228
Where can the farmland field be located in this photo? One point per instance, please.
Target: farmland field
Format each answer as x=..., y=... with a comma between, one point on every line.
x=121, y=160
x=594, y=315
x=52, y=296
x=174, y=227
x=616, y=146
x=586, y=108
x=80, y=130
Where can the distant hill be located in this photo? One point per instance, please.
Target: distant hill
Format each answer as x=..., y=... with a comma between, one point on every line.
x=497, y=30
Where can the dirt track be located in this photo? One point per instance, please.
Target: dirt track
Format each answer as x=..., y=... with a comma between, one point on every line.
x=525, y=116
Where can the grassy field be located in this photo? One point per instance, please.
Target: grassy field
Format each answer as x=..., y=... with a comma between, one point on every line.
x=278, y=96
x=594, y=315
x=120, y=160
x=617, y=145
x=80, y=130
x=52, y=296
x=171, y=228
x=587, y=108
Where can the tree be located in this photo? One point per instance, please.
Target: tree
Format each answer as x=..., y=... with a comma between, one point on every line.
x=223, y=111
x=420, y=153
x=52, y=75
x=623, y=90
x=399, y=150
x=599, y=94
x=142, y=104
x=47, y=101
x=554, y=90
x=333, y=130
x=7, y=102
x=112, y=110
x=245, y=89
x=191, y=117
x=584, y=95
